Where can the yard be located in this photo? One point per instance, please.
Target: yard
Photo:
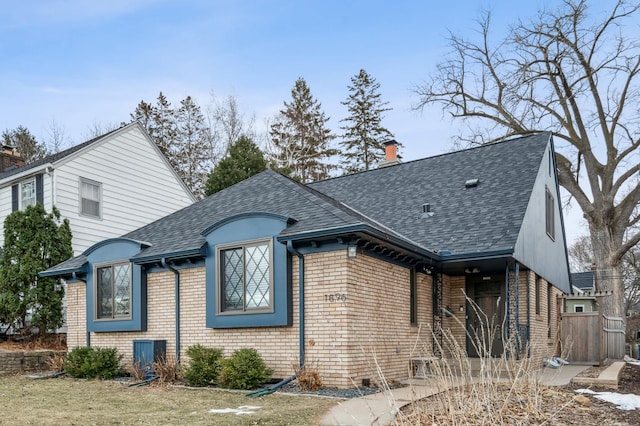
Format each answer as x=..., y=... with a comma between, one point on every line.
x=69, y=401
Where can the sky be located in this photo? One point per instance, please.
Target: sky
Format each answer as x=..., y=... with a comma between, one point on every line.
x=77, y=65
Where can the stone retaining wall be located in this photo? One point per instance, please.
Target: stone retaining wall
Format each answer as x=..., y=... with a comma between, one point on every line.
x=13, y=362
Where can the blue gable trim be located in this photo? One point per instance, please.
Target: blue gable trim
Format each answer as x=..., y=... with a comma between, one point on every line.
x=110, y=241
x=117, y=250
x=248, y=215
x=241, y=228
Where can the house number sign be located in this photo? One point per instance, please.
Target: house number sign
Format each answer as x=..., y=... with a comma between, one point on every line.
x=336, y=297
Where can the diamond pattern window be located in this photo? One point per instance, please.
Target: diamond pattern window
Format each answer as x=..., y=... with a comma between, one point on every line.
x=246, y=282
x=113, y=291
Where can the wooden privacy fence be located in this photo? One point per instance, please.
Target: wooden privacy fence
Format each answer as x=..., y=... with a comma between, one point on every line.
x=613, y=334
x=591, y=337
x=580, y=337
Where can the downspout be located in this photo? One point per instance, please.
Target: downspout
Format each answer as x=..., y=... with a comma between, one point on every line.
x=295, y=252
x=164, y=263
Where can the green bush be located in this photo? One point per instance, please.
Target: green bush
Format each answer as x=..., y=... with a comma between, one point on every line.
x=204, y=365
x=245, y=369
x=93, y=363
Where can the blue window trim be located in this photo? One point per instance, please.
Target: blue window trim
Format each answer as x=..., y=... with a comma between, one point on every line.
x=219, y=292
x=243, y=228
x=117, y=250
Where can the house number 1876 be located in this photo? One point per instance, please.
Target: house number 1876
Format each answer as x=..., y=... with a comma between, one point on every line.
x=336, y=297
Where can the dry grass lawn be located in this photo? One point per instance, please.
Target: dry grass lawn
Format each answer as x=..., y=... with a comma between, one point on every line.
x=80, y=402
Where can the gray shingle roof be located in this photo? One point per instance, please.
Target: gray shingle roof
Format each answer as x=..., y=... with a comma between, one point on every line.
x=266, y=192
x=484, y=218
x=582, y=280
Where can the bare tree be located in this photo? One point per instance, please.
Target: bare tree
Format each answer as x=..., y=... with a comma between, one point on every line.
x=581, y=258
x=229, y=123
x=573, y=74
x=56, y=139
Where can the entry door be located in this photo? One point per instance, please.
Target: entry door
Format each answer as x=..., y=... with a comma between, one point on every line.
x=488, y=296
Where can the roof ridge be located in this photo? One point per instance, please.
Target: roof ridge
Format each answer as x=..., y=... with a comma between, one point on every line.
x=433, y=157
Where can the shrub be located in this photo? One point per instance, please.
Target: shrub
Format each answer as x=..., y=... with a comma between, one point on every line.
x=167, y=369
x=245, y=369
x=93, y=363
x=308, y=378
x=204, y=365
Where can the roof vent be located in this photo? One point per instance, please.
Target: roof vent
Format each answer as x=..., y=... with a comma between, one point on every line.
x=426, y=210
x=471, y=183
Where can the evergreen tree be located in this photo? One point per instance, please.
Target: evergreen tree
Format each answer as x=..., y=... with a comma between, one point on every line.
x=300, y=138
x=25, y=143
x=33, y=242
x=245, y=159
x=195, y=142
x=183, y=136
x=363, y=134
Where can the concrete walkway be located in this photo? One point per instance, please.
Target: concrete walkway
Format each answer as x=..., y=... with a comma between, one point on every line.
x=381, y=408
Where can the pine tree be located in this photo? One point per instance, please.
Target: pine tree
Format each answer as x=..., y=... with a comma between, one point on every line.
x=33, y=242
x=244, y=160
x=300, y=138
x=195, y=144
x=364, y=134
x=183, y=136
x=25, y=143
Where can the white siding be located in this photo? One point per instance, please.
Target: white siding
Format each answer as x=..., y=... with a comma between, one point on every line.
x=137, y=188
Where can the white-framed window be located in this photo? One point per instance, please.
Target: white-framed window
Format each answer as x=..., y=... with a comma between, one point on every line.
x=90, y=198
x=27, y=194
x=112, y=291
x=550, y=214
x=578, y=308
x=245, y=277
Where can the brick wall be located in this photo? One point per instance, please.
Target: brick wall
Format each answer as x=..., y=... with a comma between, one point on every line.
x=76, y=315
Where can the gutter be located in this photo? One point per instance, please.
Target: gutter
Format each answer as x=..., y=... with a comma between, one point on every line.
x=164, y=263
x=295, y=252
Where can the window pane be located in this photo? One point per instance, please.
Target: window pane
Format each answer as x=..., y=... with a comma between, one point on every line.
x=257, y=276
x=104, y=289
x=122, y=286
x=232, y=285
x=28, y=196
x=90, y=198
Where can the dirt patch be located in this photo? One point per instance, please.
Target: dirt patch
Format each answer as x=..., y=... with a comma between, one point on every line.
x=56, y=342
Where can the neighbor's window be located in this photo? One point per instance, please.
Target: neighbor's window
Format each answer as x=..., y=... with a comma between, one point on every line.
x=550, y=214
x=245, y=277
x=90, y=195
x=27, y=194
x=113, y=291
x=578, y=308
x=549, y=310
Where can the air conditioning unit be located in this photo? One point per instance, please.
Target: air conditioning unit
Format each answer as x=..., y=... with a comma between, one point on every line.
x=145, y=352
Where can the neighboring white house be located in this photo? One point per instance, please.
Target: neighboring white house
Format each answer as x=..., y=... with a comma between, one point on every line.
x=106, y=187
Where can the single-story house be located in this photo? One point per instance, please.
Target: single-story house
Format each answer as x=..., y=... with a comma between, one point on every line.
x=385, y=264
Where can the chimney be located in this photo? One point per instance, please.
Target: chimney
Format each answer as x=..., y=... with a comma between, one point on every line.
x=390, y=153
x=10, y=159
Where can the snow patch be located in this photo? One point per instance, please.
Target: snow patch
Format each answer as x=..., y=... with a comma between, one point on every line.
x=243, y=409
x=623, y=401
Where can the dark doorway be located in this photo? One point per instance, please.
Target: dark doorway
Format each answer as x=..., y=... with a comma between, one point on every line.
x=485, y=316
